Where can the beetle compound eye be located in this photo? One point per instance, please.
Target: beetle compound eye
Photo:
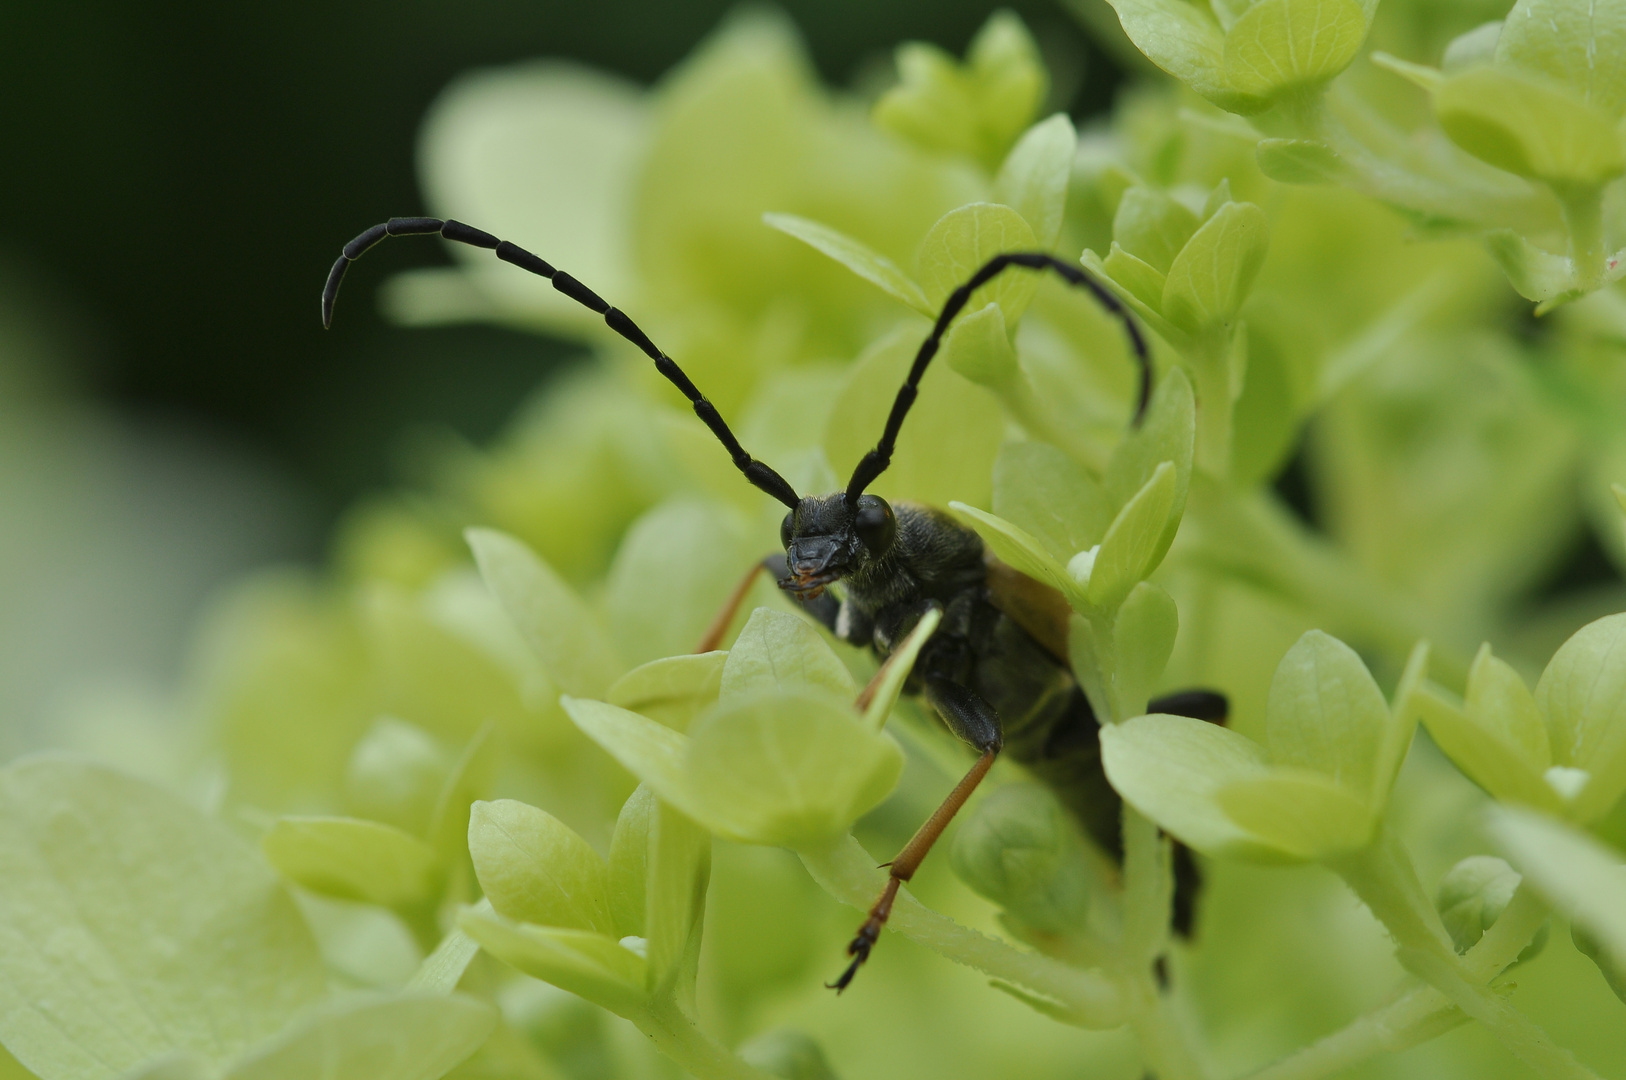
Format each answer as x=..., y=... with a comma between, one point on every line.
x=787, y=528
x=875, y=524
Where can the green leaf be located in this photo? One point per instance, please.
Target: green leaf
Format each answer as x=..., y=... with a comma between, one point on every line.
x=1300, y=161
x=1134, y=542
x=780, y=651
x=1017, y=548
x=584, y=963
x=395, y=775
x=111, y=954
x=1170, y=768
x=535, y=869
x=1215, y=271
x=1476, y=46
x=1578, y=876
x=1326, y=714
x=651, y=751
x=1578, y=45
x=671, y=689
x=1472, y=895
x=1279, y=45
x=1144, y=631
x=1535, y=274
x=1033, y=179
x=373, y=1037
x=675, y=891
x=1483, y=755
x=1185, y=41
x=787, y=768
x=1500, y=704
x=353, y=859
x=469, y=780
x=1021, y=849
x=788, y=1054
x=870, y=265
x=1143, y=280
x=1039, y=489
x=962, y=241
x=443, y=968
x=899, y=664
x=1152, y=226
x=945, y=451
x=1300, y=812
x=1529, y=127
x=629, y=861
x=554, y=622
x=1419, y=75
x=1167, y=433
x=1583, y=695
x=1402, y=728
x=979, y=348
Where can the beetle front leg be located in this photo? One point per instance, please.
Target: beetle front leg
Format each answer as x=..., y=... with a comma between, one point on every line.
x=823, y=607
x=975, y=721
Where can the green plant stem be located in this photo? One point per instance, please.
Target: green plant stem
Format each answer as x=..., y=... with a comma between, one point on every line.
x=677, y=1036
x=1382, y=876
x=1583, y=217
x=1210, y=361
x=1420, y=1013
x=845, y=871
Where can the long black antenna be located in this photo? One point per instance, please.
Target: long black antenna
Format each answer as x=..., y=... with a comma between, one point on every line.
x=874, y=463
x=755, y=471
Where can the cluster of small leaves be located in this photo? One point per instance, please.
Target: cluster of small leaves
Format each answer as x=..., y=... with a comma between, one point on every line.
x=519, y=829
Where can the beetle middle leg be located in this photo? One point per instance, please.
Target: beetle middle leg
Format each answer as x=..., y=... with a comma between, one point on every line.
x=975, y=721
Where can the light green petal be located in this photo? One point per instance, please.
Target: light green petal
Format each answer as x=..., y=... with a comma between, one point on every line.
x=780, y=651
x=369, y=1037
x=534, y=868
x=353, y=859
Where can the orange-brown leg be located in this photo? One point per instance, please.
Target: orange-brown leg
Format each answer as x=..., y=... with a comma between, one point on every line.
x=908, y=861
x=731, y=607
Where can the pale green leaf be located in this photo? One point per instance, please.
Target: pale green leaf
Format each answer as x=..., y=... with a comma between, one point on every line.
x=1579, y=876
x=1021, y=849
x=1133, y=543
x=1017, y=548
x=353, y=859
x=1144, y=281
x=1529, y=127
x=899, y=664
x=534, y=868
x=372, y=1037
x=675, y=567
x=395, y=774
x=1185, y=41
x=1535, y=274
x=868, y=264
x=1300, y=161
x=1144, y=631
x=443, y=968
x=1039, y=489
x=671, y=689
x=589, y=965
x=1402, y=729
x=111, y=954
x=1215, y=271
x=1482, y=755
x=1168, y=432
x=1500, y=703
x=962, y=241
x=780, y=651
x=1300, y=812
x=1170, y=769
x=675, y=891
x=1033, y=179
x=787, y=768
x=470, y=779
x=1419, y=75
x=629, y=861
x=1583, y=695
x=558, y=627
x=651, y=751
x=1278, y=45
x=978, y=347
x=946, y=450
x=1575, y=43
x=1325, y=713
x=1152, y=226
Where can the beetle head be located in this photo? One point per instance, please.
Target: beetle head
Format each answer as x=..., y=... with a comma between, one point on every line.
x=827, y=538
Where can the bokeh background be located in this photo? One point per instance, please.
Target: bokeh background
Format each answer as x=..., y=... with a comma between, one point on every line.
x=180, y=175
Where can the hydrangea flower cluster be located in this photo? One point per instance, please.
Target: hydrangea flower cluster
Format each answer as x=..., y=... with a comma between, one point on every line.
x=466, y=802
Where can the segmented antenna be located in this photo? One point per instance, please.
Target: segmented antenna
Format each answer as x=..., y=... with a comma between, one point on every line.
x=755, y=471
x=874, y=463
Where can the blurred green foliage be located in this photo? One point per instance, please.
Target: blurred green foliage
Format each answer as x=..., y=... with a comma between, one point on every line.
x=520, y=830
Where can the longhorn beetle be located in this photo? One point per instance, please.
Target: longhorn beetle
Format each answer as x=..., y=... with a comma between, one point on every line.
x=996, y=670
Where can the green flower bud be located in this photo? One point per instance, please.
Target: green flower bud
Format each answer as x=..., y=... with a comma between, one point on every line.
x=1472, y=896
x=790, y=1054
x=1020, y=850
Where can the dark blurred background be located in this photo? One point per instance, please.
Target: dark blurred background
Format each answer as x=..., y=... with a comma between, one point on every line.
x=181, y=175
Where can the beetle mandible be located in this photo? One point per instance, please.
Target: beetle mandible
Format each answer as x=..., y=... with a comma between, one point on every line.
x=996, y=669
